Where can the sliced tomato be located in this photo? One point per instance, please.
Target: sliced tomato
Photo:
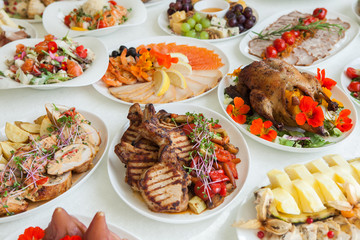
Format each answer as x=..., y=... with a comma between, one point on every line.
x=354, y=87
x=271, y=52
x=67, y=20
x=102, y=24
x=352, y=72
x=36, y=71
x=188, y=128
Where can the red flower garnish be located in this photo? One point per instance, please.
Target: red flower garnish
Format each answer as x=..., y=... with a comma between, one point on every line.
x=262, y=129
x=67, y=237
x=163, y=59
x=81, y=51
x=64, y=66
x=325, y=82
x=238, y=110
x=311, y=113
x=343, y=122
x=32, y=233
x=52, y=47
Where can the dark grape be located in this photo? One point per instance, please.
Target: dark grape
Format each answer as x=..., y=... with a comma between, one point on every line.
x=172, y=5
x=232, y=22
x=248, y=24
x=230, y=15
x=121, y=48
x=115, y=53
x=248, y=15
x=186, y=1
x=253, y=18
x=247, y=9
x=131, y=52
x=186, y=7
x=238, y=8
x=178, y=6
x=170, y=11
x=179, y=1
x=191, y=7
x=241, y=19
x=241, y=28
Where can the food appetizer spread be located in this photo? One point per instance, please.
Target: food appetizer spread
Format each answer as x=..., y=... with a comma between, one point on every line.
x=26, y=9
x=50, y=61
x=177, y=162
x=316, y=200
x=95, y=14
x=39, y=159
x=282, y=105
x=9, y=30
x=185, y=21
x=67, y=227
x=354, y=86
x=299, y=38
x=162, y=73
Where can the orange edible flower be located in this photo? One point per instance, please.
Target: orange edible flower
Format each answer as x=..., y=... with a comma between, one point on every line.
x=236, y=72
x=343, y=122
x=238, y=110
x=32, y=233
x=325, y=82
x=311, y=113
x=262, y=129
x=163, y=59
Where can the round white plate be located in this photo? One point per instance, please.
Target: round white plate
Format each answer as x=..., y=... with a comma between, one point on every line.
x=355, y=6
x=164, y=25
x=28, y=28
x=86, y=220
x=153, y=3
x=101, y=87
x=89, y=76
x=345, y=81
x=117, y=170
x=337, y=94
x=100, y=126
x=350, y=34
x=53, y=18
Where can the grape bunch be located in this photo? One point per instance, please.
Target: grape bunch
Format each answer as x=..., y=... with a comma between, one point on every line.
x=180, y=5
x=239, y=17
x=195, y=26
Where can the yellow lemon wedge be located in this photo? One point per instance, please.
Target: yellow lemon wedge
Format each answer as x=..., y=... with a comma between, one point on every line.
x=78, y=29
x=183, y=67
x=176, y=78
x=180, y=56
x=161, y=82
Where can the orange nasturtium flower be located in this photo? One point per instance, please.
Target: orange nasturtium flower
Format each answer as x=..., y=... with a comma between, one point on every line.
x=311, y=113
x=262, y=129
x=32, y=233
x=343, y=122
x=325, y=82
x=163, y=59
x=236, y=72
x=238, y=110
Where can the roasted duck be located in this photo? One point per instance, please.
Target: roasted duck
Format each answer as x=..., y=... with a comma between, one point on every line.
x=273, y=89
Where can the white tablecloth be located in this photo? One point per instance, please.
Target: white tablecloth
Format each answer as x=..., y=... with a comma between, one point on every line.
x=97, y=193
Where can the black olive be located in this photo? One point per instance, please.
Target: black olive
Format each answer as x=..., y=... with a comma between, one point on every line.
x=131, y=52
x=121, y=48
x=115, y=53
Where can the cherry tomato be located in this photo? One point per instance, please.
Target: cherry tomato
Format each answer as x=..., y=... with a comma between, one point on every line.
x=354, y=87
x=279, y=45
x=296, y=33
x=67, y=20
x=102, y=24
x=188, y=128
x=309, y=19
x=288, y=37
x=271, y=52
x=199, y=190
x=352, y=72
x=112, y=2
x=320, y=13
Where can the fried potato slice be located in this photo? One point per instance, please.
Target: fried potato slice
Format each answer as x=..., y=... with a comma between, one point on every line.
x=39, y=119
x=7, y=150
x=16, y=134
x=28, y=127
x=45, y=124
x=3, y=160
x=15, y=145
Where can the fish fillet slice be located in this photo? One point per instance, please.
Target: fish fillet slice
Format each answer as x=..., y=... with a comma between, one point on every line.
x=139, y=98
x=210, y=81
x=182, y=94
x=127, y=89
x=138, y=92
x=196, y=87
x=169, y=96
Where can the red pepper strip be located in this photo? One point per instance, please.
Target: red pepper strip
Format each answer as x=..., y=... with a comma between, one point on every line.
x=42, y=181
x=223, y=155
x=233, y=169
x=218, y=176
x=70, y=152
x=223, y=190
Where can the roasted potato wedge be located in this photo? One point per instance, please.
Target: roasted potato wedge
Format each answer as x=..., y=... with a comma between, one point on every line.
x=16, y=134
x=6, y=150
x=39, y=120
x=3, y=160
x=45, y=124
x=15, y=145
x=28, y=127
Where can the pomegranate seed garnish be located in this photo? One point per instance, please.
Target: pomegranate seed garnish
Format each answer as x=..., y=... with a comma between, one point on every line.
x=330, y=234
x=309, y=220
x=260, y=234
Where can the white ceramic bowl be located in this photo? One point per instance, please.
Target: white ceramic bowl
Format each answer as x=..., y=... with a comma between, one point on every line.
x=201, y=7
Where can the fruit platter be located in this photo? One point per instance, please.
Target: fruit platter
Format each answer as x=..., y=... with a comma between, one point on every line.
x=185, y=19
x=286, y=111
x=161, y=70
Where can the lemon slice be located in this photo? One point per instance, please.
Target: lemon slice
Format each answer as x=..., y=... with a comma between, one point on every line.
x=161, y=82
x=78, y=29
x=183, y=67
x=180, y=56
x=176, y=78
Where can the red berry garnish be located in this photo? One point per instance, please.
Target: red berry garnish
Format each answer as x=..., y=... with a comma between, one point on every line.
x=330, y=234
x=15, y=3
x=309, y=220
x=260, y=234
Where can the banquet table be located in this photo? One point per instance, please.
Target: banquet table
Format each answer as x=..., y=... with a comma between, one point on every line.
x=97, y=193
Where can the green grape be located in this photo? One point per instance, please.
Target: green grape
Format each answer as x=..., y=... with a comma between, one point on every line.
x=197, y=17
x=185, y=27
x=191, y=33
x=204, y=35
x=191, y=22
x=198, y=27
x=205, y=23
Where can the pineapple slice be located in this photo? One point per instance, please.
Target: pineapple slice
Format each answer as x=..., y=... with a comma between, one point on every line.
x=285, y=203
x=355, y=165
x=337, y=160
x=341, y=176
x=280, y=179
x=299, y=171
x=309, y=200
x=319, y=165
x=328, y=187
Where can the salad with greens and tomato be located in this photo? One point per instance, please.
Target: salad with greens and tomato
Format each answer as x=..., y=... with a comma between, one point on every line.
x=354, y=86
x=50, y=61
